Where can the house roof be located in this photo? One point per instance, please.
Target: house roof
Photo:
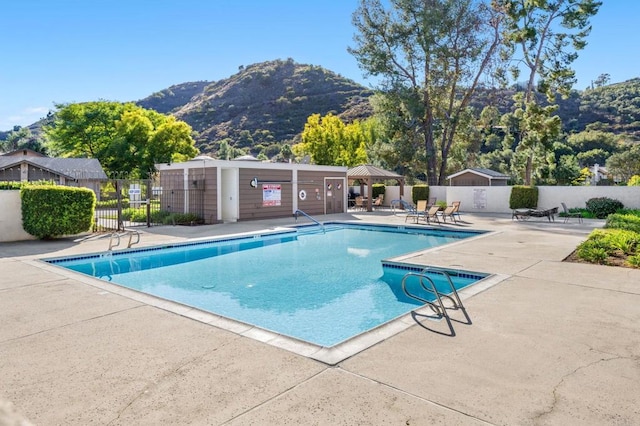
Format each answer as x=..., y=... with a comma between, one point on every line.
x=73, y=168
x=487, y=173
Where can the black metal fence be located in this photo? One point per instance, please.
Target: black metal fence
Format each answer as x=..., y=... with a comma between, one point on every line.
x=130, y=203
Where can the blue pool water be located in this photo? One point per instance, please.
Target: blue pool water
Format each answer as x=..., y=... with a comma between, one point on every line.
x=320, y=287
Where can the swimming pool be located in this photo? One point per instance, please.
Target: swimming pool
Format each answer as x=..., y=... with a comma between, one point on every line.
x=322, y=287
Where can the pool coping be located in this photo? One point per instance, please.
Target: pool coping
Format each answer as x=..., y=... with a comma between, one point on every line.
x=328, y=355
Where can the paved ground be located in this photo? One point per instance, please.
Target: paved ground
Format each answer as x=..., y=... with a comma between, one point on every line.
x=554, y=343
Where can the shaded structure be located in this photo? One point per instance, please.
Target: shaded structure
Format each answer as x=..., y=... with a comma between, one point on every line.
x=478, y=177
x=366, y=174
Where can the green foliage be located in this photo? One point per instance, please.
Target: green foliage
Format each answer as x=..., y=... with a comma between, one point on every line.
x=634, y=261
x=123, y=137
x=140, y=215
x=592, y=251
x=605, y=244
x=10, y=185
x=377, y=189
x=602, y=207
x=53, y=211
x=330, y=142
x=627, y=221
x=419, y=192
x=559, y=29
x=625, y=163
x=620, y=240
x=634, y=180
x=523, y=197
x=428, y=54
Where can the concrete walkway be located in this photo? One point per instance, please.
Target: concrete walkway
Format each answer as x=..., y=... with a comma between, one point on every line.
x=554, y=343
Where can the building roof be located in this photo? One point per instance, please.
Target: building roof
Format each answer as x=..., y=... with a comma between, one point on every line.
x=73, y=168
x=487, y=173
x=369, y=171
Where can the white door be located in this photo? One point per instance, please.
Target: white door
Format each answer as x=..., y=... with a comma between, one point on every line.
x=229, y=189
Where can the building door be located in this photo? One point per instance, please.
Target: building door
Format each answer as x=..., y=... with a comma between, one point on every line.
x=334, y=191
x=229, y=190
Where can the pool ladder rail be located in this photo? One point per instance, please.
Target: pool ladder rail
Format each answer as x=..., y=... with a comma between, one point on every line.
x=297, y=212
x=438, y=305
x=114, y=239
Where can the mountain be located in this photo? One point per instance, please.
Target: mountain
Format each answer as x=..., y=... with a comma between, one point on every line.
x=263, y=103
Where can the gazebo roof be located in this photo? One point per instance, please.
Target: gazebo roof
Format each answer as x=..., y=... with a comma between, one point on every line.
x=367, y=171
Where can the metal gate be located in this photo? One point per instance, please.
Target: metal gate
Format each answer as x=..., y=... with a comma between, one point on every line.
x=130, y=203
x=127, y=203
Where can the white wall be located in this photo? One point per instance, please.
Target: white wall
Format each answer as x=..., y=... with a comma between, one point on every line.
x=495, y=199
x=11, y=218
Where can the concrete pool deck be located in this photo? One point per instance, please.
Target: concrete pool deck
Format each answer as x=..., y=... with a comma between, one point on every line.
x=552, y=343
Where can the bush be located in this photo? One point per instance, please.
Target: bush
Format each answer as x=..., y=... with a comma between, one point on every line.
x=10, y=185
x=634, y=181
x=523, y=197
x=377, y=189
x=419, y=192
x=602, y=207
x=140, y=215
x=627, y=221
x=52, y=211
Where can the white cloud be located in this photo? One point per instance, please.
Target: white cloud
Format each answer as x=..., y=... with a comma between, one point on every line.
x=24, y=117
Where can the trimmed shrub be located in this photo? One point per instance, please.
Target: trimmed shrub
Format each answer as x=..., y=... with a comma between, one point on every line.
x=523, y=197
x=53, y=211
x=601, y=207
x=377, y=189
x=419, y=192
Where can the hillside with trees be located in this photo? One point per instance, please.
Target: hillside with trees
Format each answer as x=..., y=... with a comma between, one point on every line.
x=261, y=107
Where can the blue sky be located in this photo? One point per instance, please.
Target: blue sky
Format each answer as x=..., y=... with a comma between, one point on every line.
x=59, y=51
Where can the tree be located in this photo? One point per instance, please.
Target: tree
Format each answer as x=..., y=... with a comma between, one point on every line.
x=431, y=55
x=330, y=142
x=625, y=163
x=546, y=35
x=123, y=137
x=21, y=138
x=602, y=80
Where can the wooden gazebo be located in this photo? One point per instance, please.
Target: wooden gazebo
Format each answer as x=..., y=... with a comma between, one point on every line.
x=367, y=175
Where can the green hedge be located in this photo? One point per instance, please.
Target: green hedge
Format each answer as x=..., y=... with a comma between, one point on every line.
x=601, y=207
x=523, y=197
x=53, y=211
x=419, y=192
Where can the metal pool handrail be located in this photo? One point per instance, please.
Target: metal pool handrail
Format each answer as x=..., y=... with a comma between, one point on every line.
x=437, y=305
x=309, y=217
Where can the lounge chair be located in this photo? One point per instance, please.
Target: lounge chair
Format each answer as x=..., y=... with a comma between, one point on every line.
x=525, y=214
x=456, y=209
x=432, y=213
x=432, y=202
x=418, y=211
x=568, y=215
x=449, y=211
x=359, y=203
